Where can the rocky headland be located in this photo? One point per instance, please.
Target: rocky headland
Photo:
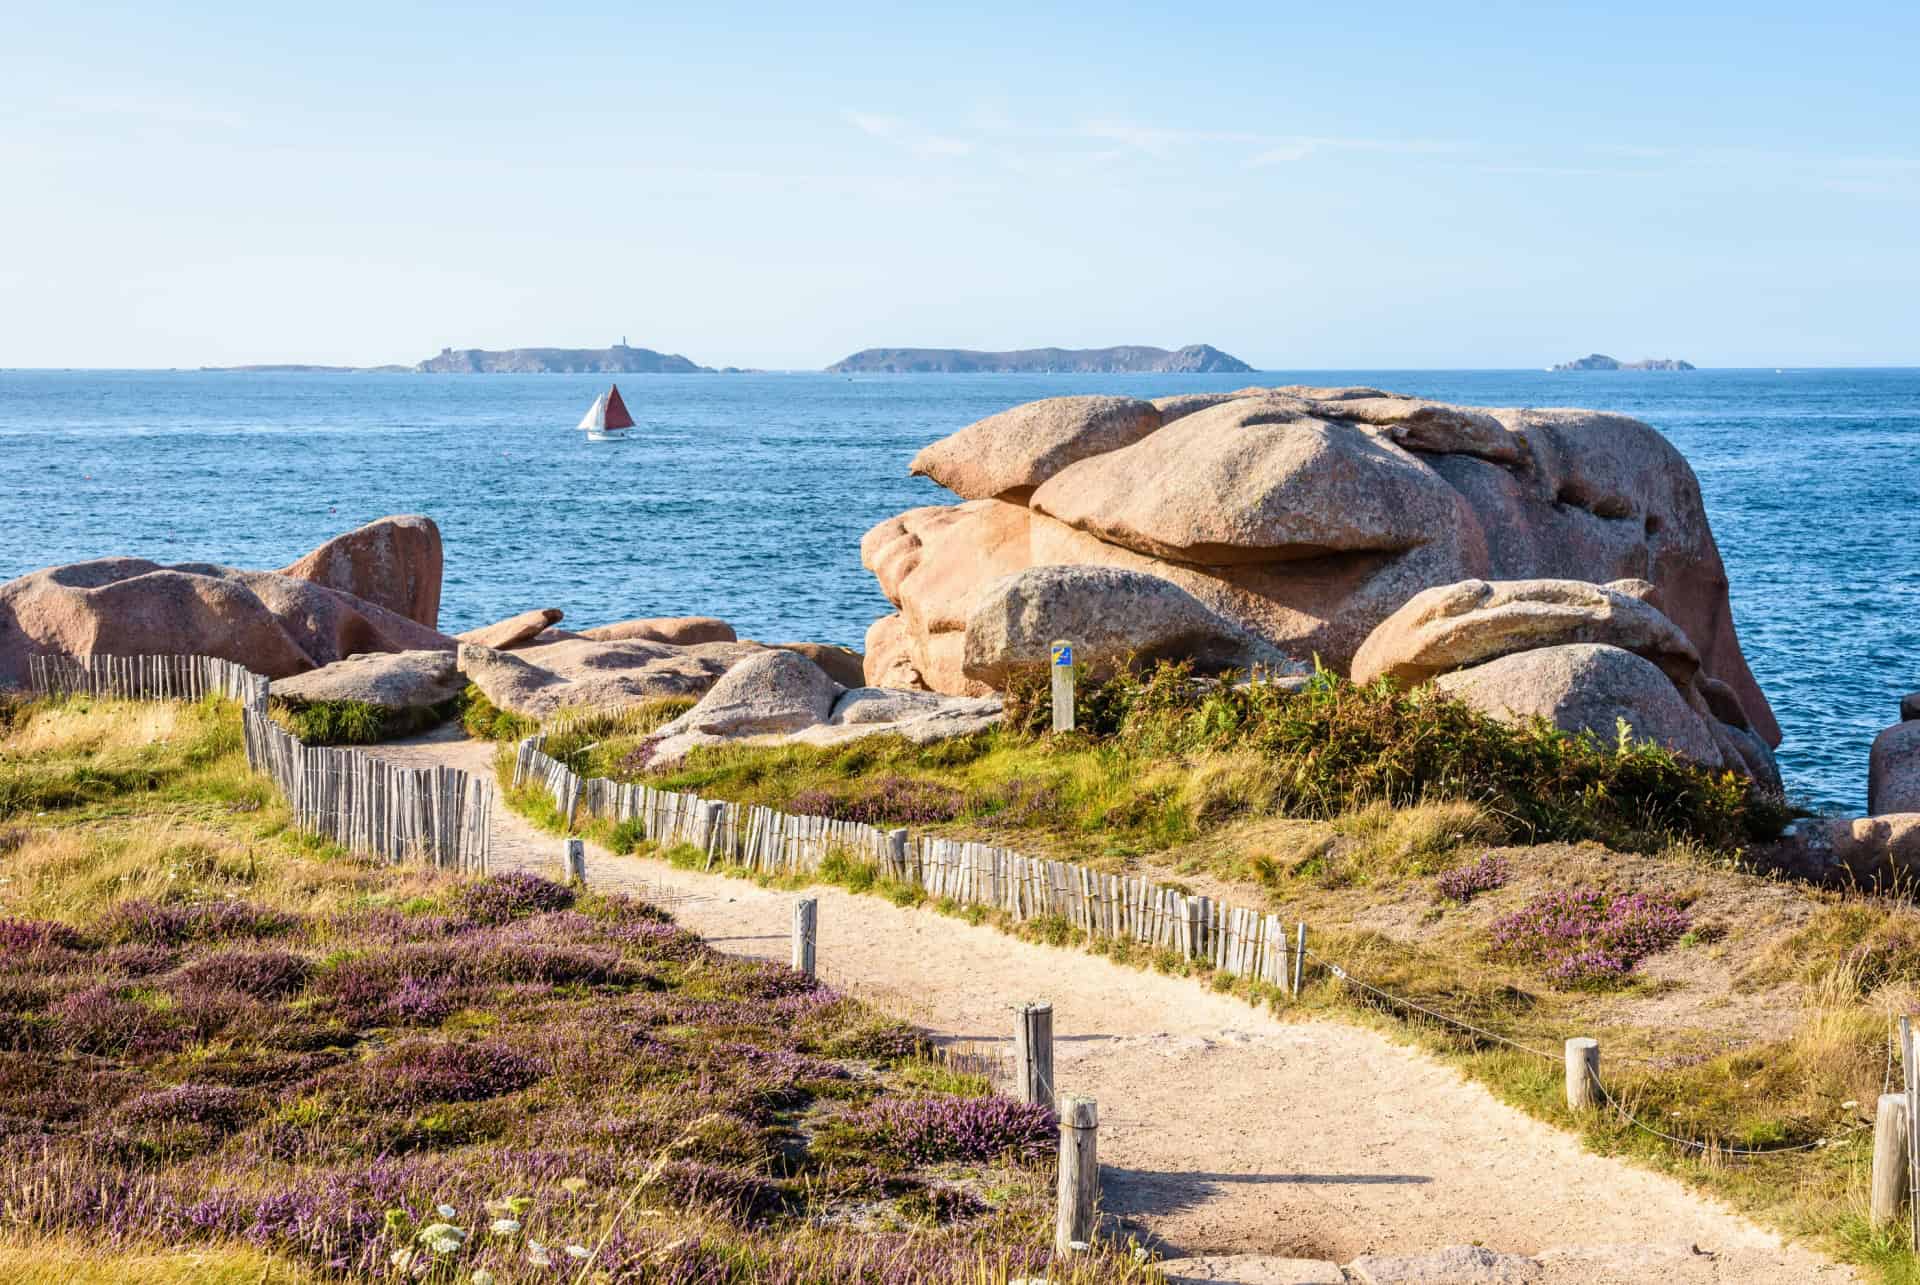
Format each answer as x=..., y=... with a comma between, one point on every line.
x=1600, y=361
x=617, y=360
x=1130, y=359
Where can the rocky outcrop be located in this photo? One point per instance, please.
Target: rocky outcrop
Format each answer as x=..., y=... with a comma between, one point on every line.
x=274, y=624
x=1893, y=770
x=1910, y=707
x=1852, y=851
x=395, y=563
x=391, y=680
x=1587, y=687
x=682, y=631
x=580, y=674
x=514, y=630
x=1109, y=614
x=1453, y=626
x=1307, y=516
x=1013, y=452
x=774, y=691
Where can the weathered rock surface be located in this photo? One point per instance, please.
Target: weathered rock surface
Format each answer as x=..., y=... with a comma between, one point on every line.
x=1893, y=770
x=1453, y=626
x=1307, y=516
x=682, y=631
x=391, y=680
x=539, y=681
x=1018, y=449
x=514, y=630
x=1455, y=1265
x=1109, y=614
x=1586, y=687
x=1910, y=706
x=394, y=563
x=1251, y=1269
x=274, y=624
x=843, y=665
x=1852, y=851
x=771, y=691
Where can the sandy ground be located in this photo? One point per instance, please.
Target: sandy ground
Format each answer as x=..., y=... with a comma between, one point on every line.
x=1224, y=1132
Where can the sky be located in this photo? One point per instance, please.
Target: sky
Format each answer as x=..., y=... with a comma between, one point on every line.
x=1316, y=186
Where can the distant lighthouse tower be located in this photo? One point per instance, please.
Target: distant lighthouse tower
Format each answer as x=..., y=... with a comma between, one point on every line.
x=623, y=341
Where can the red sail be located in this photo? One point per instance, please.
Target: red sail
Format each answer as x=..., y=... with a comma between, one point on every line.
x=617, y=416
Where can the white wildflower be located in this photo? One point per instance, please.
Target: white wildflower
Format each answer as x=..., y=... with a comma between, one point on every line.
x=504, y=1226
x=400, y=1258
x=579, y=1251
x=442, y=1238
x=537, y=1254
x=445, y=1211
x=573, y=1186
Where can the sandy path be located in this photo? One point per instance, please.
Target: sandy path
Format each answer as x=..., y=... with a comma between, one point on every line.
x=1223, y=1130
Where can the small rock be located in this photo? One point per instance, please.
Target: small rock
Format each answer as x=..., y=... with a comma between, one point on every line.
x=682, y=631
x=391, y=680
x=1455, y=1265
x=1910, y=707
x=1893, y=770
x=770, y=691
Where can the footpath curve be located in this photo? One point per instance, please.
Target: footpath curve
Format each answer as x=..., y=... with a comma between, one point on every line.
x=1227, y=1134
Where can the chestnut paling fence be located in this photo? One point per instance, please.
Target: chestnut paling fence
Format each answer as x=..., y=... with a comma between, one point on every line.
x=438, y=814
x=1238, y=941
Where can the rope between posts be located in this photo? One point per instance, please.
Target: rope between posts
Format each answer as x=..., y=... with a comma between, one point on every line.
x=1612, y=1101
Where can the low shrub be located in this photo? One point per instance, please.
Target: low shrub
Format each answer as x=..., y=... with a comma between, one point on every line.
x=356, y=722
x=421, y=1071
x=170, y=924
x=261, y=974
x=499, y=898
x=1464, y=883
x=484, y=721
x=949, y=1128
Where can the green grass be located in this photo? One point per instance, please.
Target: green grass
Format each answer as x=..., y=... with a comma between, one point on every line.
x=357, y=722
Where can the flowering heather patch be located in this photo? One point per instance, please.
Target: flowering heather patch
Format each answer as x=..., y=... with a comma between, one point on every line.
x=35, y=937
x=174, y=1080
x=1586, y=937
x=262, y=974
x=945, y=1127
x=160, y=924
x=498, y=898
x=1464, y=883
x=895, y=800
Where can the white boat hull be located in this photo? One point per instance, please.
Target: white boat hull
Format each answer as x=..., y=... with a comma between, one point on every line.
x=607, y=435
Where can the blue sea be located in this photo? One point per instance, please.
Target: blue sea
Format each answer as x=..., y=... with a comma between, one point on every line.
x=748, y=494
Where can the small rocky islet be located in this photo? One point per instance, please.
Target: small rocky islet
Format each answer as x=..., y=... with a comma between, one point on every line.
x=1531, y=563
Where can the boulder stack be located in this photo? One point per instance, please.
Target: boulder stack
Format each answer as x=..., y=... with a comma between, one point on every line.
x=1303, y=516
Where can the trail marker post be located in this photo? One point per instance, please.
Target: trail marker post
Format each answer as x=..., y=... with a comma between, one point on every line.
x=573, y=859
x=1079, y=1174
x=1060, y=658
x=1583, y=1074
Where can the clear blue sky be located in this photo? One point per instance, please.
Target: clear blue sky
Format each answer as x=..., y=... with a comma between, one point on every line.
x=1304, y=186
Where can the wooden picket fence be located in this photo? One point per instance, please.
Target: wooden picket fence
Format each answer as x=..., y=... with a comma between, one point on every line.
x=437, y=815
x=146, y=678
x=1238, y=941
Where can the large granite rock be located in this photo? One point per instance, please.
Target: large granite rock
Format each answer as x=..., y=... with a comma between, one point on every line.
x=1852, y=852
x=1016, y=450
x=1893, y=770
x=1910, y=706
x=394, y=563
x=274, y=624
x=1109, y=614
x=514, y=630
x=1453, y=626
x=392, y=680
x=771, y=691
x=1587, y=687
x=844, y=665
x=1307, y=516
x=579, y=674
x=681, y=631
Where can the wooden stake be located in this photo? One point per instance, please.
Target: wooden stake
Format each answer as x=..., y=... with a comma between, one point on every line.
x=1583, y=1074
x=1889, y=1183
x=1061, y=653
x=573, y=860
x=1079, y=1191
x=805, y=919
x=1033, y=1053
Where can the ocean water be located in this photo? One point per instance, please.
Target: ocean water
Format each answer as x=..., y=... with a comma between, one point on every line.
x=747, y=495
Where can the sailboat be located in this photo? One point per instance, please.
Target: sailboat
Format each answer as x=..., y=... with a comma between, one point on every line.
x=607, y=419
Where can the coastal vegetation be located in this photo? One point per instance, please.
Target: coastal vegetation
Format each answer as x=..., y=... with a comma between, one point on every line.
x=1487, y=891
x=348, y=722
x=230, y=1052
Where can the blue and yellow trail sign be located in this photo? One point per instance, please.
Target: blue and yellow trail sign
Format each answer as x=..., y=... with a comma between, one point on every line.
x=1062, y=653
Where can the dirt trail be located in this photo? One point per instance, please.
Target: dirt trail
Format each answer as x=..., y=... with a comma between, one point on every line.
x=1224, y=1131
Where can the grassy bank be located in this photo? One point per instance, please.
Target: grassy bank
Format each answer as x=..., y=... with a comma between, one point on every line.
x=1526, y=883
x=228, y=1053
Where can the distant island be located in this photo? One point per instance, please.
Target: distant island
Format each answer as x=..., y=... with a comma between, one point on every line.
x=617, y=360
x=1600, y=361
x=1129, y=359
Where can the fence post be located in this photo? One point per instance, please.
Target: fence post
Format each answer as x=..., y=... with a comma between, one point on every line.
x=1033, y=1053
x=1583, y=1074
x=1299, y=956
x=806, y=912
x=1079, y=1174
x=897, y=853
x=573, y=859
x=1890, y=1126
x=1061, y=653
